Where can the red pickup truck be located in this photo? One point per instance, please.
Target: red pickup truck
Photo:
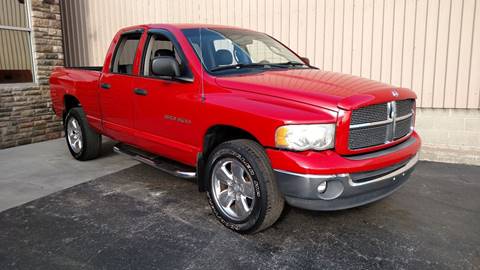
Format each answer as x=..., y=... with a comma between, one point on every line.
x=250, y=120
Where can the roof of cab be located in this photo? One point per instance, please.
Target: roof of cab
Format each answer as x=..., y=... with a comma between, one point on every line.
x=179, y=26
x=193, y=25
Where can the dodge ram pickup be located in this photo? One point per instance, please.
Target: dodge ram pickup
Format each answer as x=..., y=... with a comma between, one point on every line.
x=254, y=123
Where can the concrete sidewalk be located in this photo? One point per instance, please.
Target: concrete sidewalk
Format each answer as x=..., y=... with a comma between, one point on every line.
x=32, y=171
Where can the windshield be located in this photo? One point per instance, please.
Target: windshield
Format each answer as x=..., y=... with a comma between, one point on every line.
x=236, y=50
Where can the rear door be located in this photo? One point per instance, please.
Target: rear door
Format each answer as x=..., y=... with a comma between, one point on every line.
x=116, y=90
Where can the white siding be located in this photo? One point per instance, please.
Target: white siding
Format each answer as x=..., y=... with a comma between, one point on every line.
x=431, y=46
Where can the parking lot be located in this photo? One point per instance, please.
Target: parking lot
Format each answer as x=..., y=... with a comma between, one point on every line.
x=140, y=218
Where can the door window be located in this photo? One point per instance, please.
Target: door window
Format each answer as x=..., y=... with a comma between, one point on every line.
x=161, y=45
x=125, y=54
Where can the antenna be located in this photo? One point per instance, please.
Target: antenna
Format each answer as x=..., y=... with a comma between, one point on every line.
x=202, y=89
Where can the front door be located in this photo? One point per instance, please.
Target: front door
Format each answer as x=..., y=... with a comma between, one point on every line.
x=166, y=109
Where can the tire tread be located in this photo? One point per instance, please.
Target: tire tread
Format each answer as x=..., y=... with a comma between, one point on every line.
x=93, y=140
x=275, y=200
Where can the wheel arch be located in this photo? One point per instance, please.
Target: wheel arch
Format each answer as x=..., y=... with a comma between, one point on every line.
x=69, y=102
x=214, y=136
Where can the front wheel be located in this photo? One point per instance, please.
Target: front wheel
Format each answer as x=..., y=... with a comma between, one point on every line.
x=242, y=190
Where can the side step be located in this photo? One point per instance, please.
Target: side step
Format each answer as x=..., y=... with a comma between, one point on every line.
x=165, y=165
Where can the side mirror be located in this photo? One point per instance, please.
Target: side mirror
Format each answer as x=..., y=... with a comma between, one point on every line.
x=165, y=66
x=305, y=60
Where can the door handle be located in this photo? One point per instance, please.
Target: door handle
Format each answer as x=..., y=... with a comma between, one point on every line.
x=139, y=91
x=105, y=85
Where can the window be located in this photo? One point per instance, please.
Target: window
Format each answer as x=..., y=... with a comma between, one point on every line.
x=161, y=45
x=261, y=52
x=125, y=54
x=225, y=44
x=15, y=42
x=237, y=51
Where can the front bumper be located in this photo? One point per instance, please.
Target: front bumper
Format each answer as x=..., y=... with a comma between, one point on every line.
x=330, y=162
x=343, y=190
x=349, y=186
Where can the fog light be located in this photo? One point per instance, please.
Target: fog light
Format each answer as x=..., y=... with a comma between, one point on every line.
x=322, y=187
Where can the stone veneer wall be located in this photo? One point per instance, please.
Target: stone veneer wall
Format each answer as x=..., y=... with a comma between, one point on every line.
x=26, y=114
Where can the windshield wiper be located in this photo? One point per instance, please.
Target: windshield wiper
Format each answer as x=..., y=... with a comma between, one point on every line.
x=237, y=66
x=258, y=65
x=287, y=64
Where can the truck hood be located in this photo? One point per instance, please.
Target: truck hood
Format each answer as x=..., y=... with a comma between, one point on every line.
x=325, y=89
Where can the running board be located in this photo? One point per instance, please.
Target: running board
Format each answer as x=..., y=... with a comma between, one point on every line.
x=165, y=165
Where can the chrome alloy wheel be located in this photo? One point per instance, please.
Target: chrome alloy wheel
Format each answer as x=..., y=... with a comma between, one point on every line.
x=233, y=189
x=74, y=135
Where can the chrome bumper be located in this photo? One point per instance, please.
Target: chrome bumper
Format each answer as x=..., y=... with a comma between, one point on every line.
x=343, y=190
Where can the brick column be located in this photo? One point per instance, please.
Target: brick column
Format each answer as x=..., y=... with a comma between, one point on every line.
x=26, y=114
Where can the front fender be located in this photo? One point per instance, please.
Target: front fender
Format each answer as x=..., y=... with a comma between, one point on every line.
x=260, y=115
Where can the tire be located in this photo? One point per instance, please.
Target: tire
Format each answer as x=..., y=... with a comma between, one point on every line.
x=87, y=144
x=244, y=214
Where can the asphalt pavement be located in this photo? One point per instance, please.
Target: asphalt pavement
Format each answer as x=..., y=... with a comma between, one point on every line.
x=140, y=218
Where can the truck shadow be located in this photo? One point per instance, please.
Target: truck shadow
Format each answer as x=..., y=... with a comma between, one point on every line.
x=107, y=147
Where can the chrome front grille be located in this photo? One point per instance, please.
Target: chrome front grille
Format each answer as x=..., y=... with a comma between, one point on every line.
x=403, y=128
x=367, y=136
x=373, y=113
x=404, y=107
x=380, y=123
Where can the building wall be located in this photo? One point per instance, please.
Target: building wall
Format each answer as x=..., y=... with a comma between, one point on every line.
x=430, y=46
x=25, y=110
x=449, y=135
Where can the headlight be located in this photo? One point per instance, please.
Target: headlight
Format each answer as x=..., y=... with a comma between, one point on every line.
x=305, y=137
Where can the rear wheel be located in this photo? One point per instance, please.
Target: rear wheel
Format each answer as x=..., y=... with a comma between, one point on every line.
x=83, y=142
x=242, y=189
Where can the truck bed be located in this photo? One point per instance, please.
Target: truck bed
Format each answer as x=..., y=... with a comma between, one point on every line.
x=91, y=68
x=78, y=82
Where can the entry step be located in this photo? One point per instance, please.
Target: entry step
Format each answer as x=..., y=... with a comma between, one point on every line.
x=166, y=165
